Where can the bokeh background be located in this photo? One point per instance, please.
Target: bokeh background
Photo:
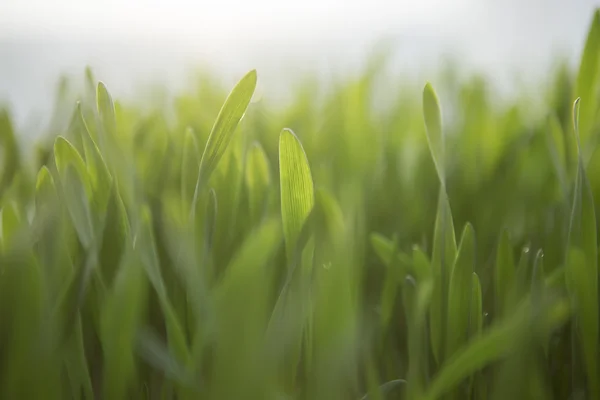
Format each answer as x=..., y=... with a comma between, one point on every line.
x=138, y=45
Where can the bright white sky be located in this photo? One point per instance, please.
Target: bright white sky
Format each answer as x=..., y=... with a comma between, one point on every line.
x=492, y=34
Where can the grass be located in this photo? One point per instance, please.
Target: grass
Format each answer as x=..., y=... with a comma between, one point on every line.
x=328, y=250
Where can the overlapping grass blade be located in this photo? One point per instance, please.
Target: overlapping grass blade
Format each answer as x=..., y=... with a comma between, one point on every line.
x=460, y=293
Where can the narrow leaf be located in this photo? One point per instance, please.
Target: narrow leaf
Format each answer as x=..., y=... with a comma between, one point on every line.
x=297, y=191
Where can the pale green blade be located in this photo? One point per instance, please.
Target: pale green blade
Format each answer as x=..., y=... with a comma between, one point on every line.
x=224, y=127
x=435, y=135
x=297, y=190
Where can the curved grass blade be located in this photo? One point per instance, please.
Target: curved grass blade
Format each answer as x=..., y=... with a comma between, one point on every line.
x=581, y=271
x=222, y=131
x=297, y=190
x=435, y=135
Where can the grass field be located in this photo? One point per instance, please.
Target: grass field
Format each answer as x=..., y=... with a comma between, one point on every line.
x=230, y=249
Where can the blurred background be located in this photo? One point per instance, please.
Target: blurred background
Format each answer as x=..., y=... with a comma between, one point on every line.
x=157, y=43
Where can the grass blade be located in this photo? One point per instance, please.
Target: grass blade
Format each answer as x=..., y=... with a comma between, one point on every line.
x=222, y=131
x=460, y=293
x=443, y=256
x=435, y=135
x=297, y=191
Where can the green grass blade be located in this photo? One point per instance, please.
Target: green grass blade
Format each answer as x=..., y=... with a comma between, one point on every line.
x=460, y=293
x=297, y=190
x=435, y=135
x=443, y=256
x=222, y=132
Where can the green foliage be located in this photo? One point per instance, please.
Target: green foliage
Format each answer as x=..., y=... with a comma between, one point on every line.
x=322, y=265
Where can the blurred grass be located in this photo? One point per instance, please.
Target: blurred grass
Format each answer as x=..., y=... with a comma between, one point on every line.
x=134, y=264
